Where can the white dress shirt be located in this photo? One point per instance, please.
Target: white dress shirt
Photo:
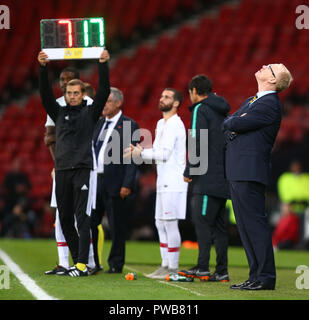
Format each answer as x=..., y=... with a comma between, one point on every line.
x=263, y=93
x=113, y=120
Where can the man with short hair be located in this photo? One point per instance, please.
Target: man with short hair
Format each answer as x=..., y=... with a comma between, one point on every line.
x=66, y=75
x=251, y=133
x=115, y=181
x=169, y=152
x=210, y=189
x=73, y=156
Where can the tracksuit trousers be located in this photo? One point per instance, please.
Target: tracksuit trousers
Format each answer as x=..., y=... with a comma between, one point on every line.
x=73, y=196
x=208, y=215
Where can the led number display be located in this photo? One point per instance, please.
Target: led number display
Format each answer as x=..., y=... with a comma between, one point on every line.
x=81, y=38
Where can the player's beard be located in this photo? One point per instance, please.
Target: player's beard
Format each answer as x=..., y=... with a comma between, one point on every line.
x=165, y=108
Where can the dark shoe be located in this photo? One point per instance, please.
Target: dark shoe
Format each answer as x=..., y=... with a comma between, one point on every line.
x=95, y=270
x=75, y=272
x=195, y=272
x=202, y=274
x=59, y=270
x=190, y=273
x=239, y=286
x=215, y=277
x=113, y=270
x=258, y=285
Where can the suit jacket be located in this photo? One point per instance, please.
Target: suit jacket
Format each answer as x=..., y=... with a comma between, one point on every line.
x=248, y=151
x=118, y=175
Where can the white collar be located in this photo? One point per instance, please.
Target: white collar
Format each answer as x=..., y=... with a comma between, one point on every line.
x=115, y=118
x=263, y=93
x=174, y=116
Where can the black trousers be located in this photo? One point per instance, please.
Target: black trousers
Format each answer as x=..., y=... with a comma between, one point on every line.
x=208, y=215
x=115, y=208
x=72, y=193
x=248, y=199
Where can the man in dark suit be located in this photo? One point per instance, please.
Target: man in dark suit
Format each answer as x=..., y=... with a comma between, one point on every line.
x=251, y=133
x=116, y=177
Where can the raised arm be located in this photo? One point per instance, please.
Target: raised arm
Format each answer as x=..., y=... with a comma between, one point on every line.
x=103, y=87
x=46, y=92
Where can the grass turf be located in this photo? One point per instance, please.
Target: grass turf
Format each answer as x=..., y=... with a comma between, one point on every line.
x=36, y=256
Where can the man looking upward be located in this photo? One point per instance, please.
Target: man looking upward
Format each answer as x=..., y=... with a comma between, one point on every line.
x=252, y=131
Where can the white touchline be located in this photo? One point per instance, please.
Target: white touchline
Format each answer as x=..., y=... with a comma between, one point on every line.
x=25, y=280
x=168, y=283
x=180, y=287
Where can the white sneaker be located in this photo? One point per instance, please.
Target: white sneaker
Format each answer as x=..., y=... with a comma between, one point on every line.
x=173, y=271
x=160, y=273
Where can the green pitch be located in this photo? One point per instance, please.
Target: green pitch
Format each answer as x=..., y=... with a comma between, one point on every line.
x=36, y=256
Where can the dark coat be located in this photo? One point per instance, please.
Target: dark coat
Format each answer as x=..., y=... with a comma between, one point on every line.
x=121, y=174
x=74, y=125
x=248, y=151
x=209, y=114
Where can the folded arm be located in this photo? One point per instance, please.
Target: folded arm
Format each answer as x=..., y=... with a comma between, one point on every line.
x=262, y=115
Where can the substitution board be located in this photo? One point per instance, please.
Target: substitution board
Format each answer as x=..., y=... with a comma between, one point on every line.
x=78, y=38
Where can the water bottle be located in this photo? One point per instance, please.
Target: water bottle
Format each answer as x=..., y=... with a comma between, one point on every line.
x=177, y=277
x=131, y=276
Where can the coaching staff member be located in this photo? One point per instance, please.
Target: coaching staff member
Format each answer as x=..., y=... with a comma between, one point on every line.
x=252, y=131
x=115, y=180
x=210, y=189
x=73, y=155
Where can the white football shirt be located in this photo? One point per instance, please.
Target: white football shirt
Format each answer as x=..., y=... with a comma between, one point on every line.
x=169, y=151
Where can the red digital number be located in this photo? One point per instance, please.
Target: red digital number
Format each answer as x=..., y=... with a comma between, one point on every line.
x=70, y=37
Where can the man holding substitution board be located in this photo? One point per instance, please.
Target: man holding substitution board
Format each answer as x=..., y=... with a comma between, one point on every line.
x=74, y=155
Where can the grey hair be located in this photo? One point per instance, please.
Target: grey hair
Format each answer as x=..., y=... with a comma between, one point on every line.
x=285, y=79
x=117, y=94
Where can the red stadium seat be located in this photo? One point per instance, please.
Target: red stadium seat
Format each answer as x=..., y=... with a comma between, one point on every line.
x=229, y=47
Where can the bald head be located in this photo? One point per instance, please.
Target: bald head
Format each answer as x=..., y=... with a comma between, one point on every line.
x=274, y=76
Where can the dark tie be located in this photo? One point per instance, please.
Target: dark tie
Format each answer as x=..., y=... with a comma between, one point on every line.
x=101, y=139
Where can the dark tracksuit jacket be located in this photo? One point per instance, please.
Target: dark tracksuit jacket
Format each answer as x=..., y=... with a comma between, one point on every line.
x=74, y=158
x=210, y=190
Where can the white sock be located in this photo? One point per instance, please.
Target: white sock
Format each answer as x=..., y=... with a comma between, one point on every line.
x=174, y=243
x=63, y=254
x=163, y=242
x=62, y=247
x=91, y=263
